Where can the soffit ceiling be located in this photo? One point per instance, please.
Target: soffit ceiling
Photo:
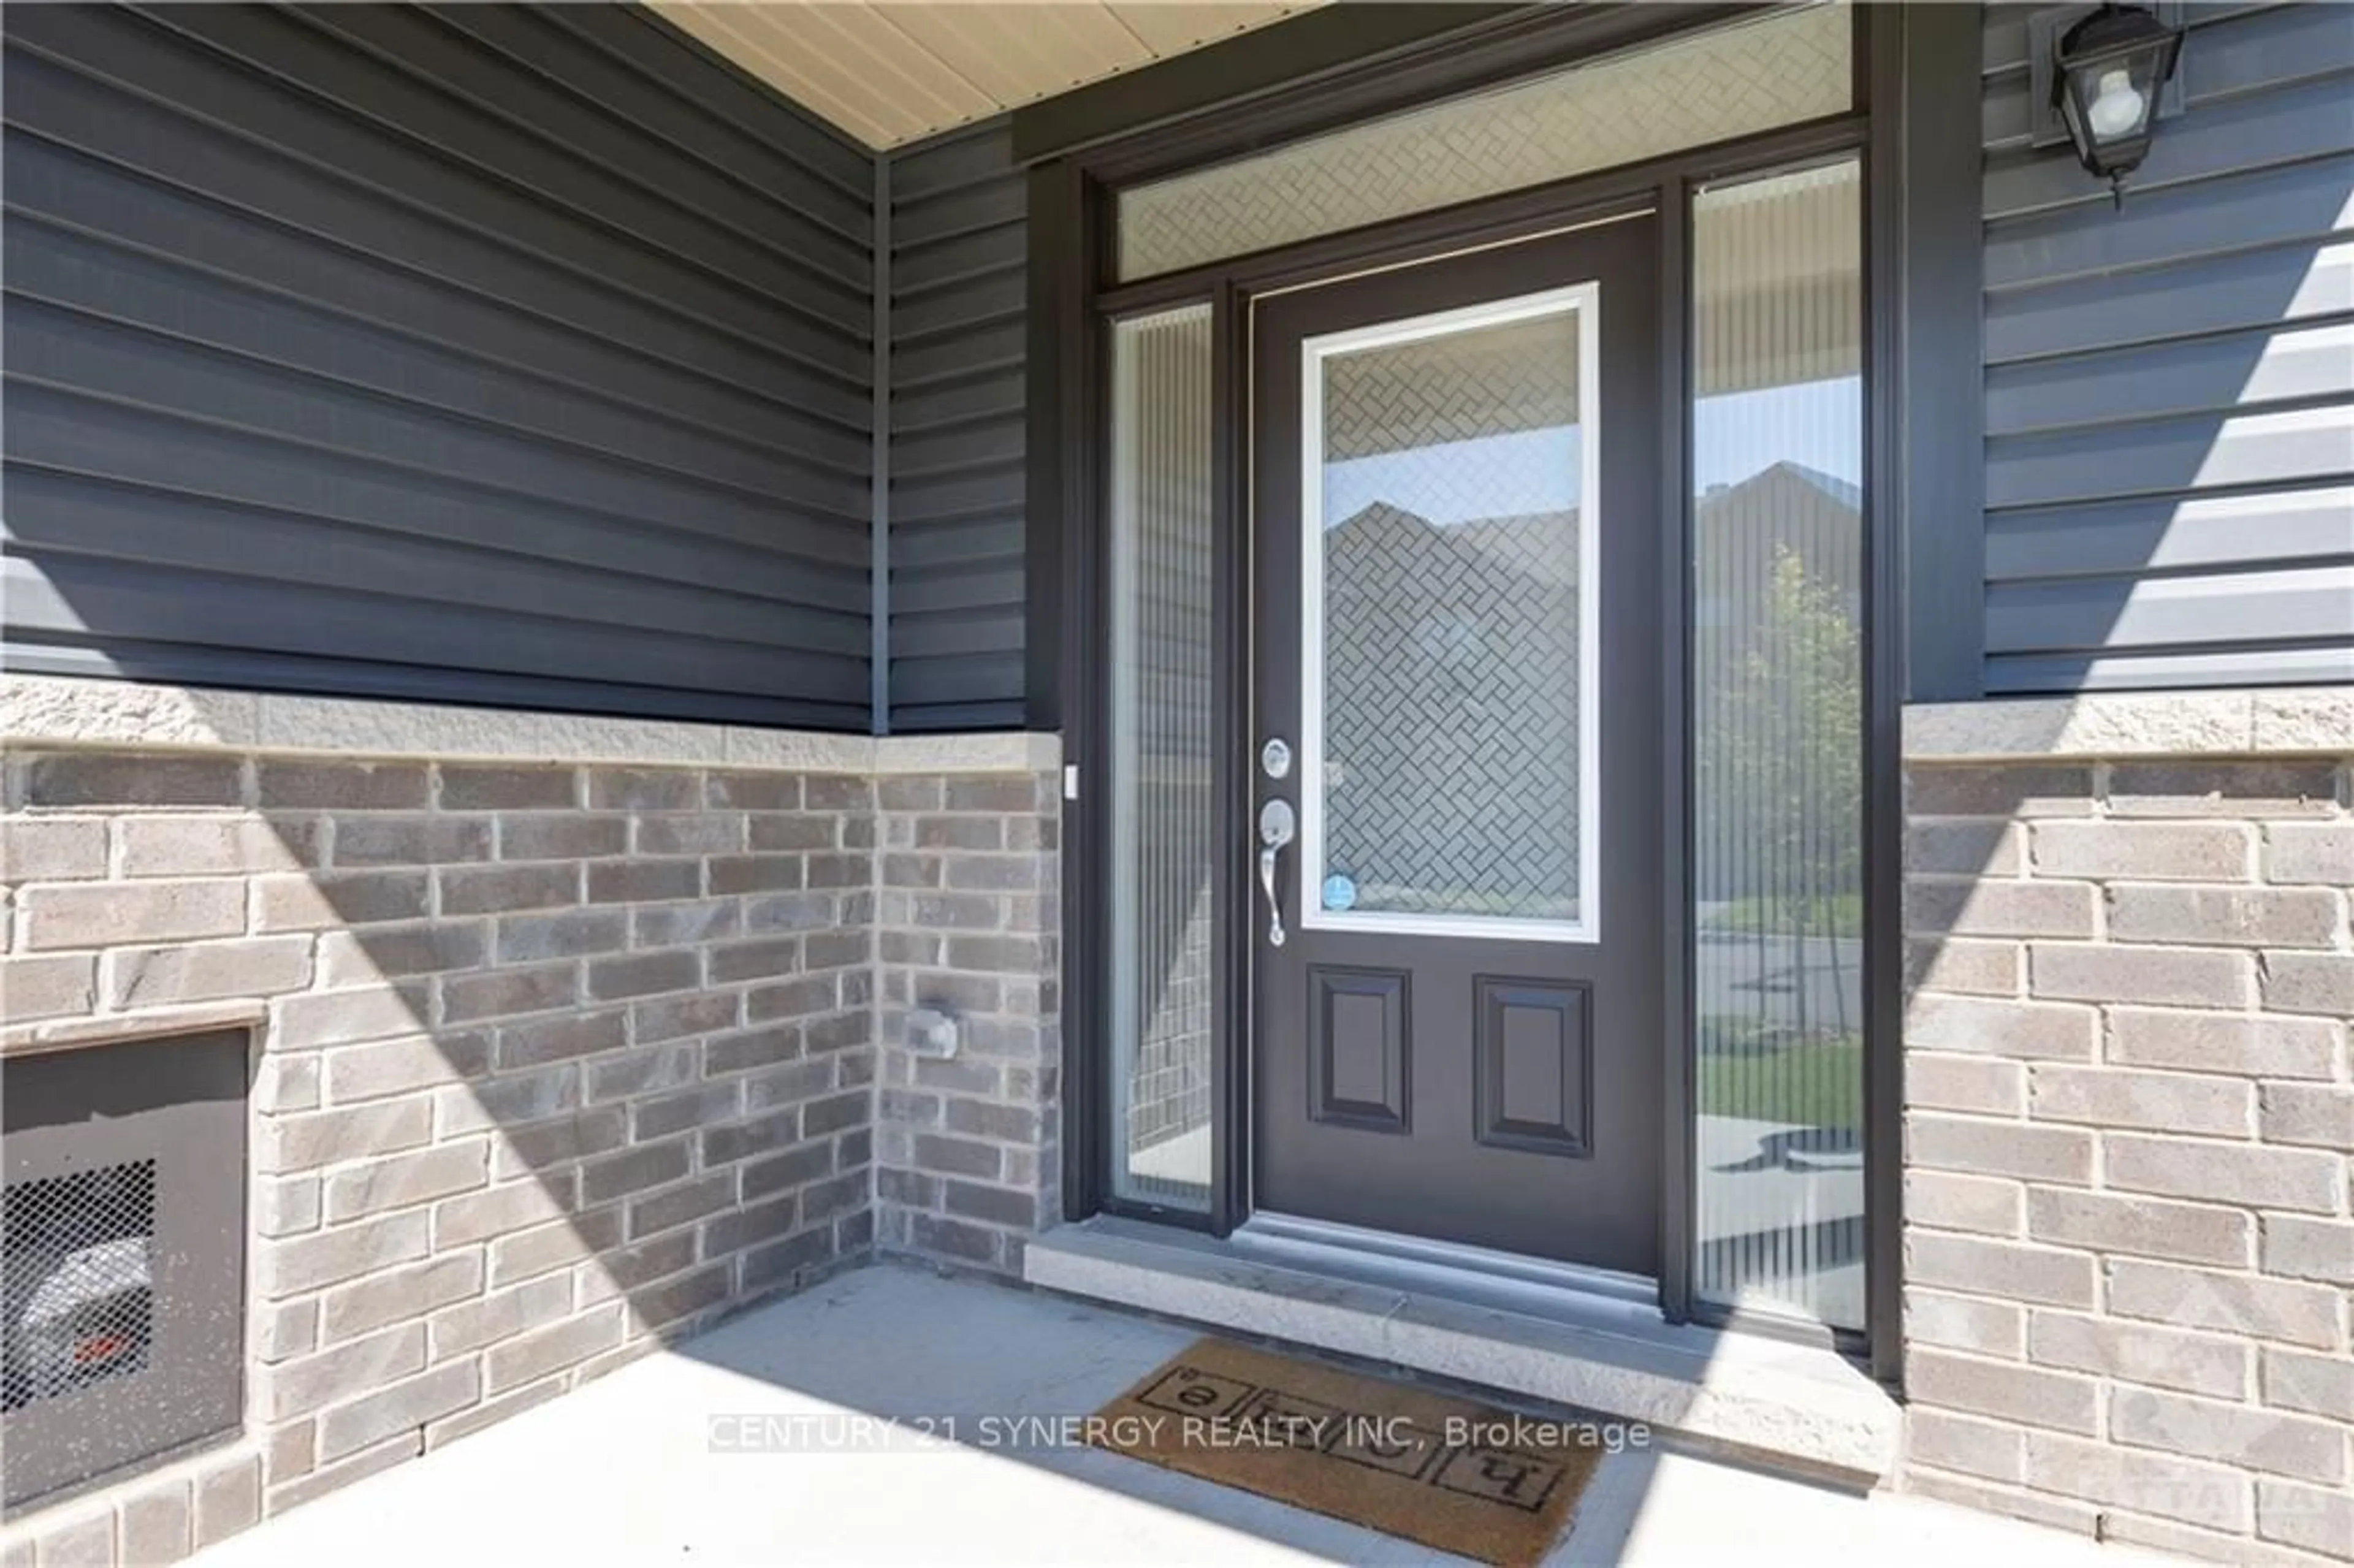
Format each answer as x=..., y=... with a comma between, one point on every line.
x=891, y=71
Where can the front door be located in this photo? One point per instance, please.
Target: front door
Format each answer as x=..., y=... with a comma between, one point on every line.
x=1459, y=1030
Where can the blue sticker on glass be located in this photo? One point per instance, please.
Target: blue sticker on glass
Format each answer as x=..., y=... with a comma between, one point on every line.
x=1340, y=893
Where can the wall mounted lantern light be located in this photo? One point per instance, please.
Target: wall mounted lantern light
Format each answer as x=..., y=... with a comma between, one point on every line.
x=2107, y=71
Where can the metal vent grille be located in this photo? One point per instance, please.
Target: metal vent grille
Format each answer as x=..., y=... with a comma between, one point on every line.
x=77, y=1277
x=122, y=1257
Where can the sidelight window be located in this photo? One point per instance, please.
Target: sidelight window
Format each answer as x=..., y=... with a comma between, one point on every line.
x=1164, y=758
x=1777, y=741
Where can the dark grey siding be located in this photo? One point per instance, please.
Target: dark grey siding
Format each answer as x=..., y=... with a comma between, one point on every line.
x=497, y=354
x=956, y=278
x=2169, y=389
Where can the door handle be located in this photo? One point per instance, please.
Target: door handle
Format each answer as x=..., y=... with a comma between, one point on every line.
x=1275, y=826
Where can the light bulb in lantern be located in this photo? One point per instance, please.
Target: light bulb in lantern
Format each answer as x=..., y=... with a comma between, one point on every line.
x=2118, y=107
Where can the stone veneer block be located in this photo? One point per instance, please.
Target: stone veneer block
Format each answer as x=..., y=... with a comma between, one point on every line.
x=2315, y=720
x=2124, y=725
x=58, y=710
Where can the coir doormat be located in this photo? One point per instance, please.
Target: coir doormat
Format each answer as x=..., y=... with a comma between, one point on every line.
x=1444, y=1472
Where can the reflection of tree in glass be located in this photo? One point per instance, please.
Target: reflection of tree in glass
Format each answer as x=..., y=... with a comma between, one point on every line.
x=1783, y=746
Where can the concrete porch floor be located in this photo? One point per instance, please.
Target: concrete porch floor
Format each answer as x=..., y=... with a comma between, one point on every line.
x=624, y=1471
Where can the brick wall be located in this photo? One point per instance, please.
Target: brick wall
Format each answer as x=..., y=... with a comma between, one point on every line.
x=2128, y=1242
x=969, y=1147
x=552, y=1063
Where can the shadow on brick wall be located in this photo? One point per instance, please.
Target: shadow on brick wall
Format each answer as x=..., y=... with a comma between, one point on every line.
x=557, y=1062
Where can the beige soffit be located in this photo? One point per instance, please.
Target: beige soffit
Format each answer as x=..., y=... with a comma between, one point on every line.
x=890, y=71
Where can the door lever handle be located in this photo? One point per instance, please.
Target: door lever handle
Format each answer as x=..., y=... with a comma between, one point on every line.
x=1275, y=826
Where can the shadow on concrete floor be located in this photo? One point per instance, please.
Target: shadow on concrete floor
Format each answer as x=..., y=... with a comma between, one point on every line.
x=756, y=1444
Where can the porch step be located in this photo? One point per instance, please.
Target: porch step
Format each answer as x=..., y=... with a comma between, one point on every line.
x=1789, y=1404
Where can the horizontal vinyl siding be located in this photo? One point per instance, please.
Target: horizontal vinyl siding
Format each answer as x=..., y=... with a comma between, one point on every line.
x=499, y=355
x=2169, y=387
x=958, y=280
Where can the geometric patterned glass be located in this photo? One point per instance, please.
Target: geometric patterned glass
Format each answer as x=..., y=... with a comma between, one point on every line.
x=1776, y=555
x=1163, y=757
x=1788, y=66
x=1446, y=629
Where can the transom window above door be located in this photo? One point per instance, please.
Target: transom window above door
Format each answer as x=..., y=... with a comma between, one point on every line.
x=1792, y=64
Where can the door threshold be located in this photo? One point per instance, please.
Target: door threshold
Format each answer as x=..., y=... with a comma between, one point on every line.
x=1510, y=1282
x=1792, y=1405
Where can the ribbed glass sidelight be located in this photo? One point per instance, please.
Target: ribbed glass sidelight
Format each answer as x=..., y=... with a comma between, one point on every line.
x=1163, y=765
x=1777, y=557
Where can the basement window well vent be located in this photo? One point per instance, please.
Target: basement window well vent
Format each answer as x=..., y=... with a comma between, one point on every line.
x=122, y=1257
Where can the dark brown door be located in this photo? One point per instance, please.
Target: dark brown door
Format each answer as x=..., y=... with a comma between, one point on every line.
x=1458, y=702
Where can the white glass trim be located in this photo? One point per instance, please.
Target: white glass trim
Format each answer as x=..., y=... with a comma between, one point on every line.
x=1584, y=300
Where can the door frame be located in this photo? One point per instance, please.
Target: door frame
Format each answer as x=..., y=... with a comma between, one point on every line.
x=1921, y=326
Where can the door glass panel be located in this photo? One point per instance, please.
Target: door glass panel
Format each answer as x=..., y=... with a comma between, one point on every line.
x=1778, y=551
x=1449, y=756
x=1161, y=786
